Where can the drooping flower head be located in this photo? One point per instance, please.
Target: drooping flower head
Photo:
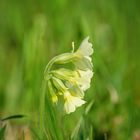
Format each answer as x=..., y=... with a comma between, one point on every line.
x=71, y=83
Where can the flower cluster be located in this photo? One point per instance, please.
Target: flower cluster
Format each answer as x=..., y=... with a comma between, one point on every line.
x=70, y=83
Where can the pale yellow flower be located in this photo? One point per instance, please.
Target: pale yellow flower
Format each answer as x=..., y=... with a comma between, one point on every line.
x=84, y=79
x=81, y=58
x=83, y=53
x=54, y=98
x=59, y=85
x=85, y=48
x=79, y=77
x=52, y=92
x=65, y=74
x=71, y=102
x=71, y=83
x=67, y=85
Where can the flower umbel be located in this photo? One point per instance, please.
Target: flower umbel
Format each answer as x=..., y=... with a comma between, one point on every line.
x=70, y=83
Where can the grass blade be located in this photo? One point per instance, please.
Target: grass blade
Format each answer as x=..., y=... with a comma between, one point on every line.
x=2, y=132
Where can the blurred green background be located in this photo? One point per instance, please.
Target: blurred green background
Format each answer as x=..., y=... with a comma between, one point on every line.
x=32, y=32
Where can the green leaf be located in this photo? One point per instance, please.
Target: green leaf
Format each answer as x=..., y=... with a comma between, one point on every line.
x=75, y=133
x=13, y=117
x=89, y=107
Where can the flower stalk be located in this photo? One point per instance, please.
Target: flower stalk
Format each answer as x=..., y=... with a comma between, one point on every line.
x=67, y=82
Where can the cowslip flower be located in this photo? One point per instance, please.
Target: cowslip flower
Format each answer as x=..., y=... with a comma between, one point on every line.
x=83, y=53
x=71, y=83
x=81, y=77
x=71, y=102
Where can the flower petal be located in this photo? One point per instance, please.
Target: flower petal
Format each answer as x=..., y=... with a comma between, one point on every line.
x=72, y=102
x=83, y=63
x=78, y=102
x=74, y=89
x=85, y=48
x=84, y=79
x=69, y=107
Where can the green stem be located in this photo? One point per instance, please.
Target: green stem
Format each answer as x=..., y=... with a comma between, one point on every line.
x=42, y=107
